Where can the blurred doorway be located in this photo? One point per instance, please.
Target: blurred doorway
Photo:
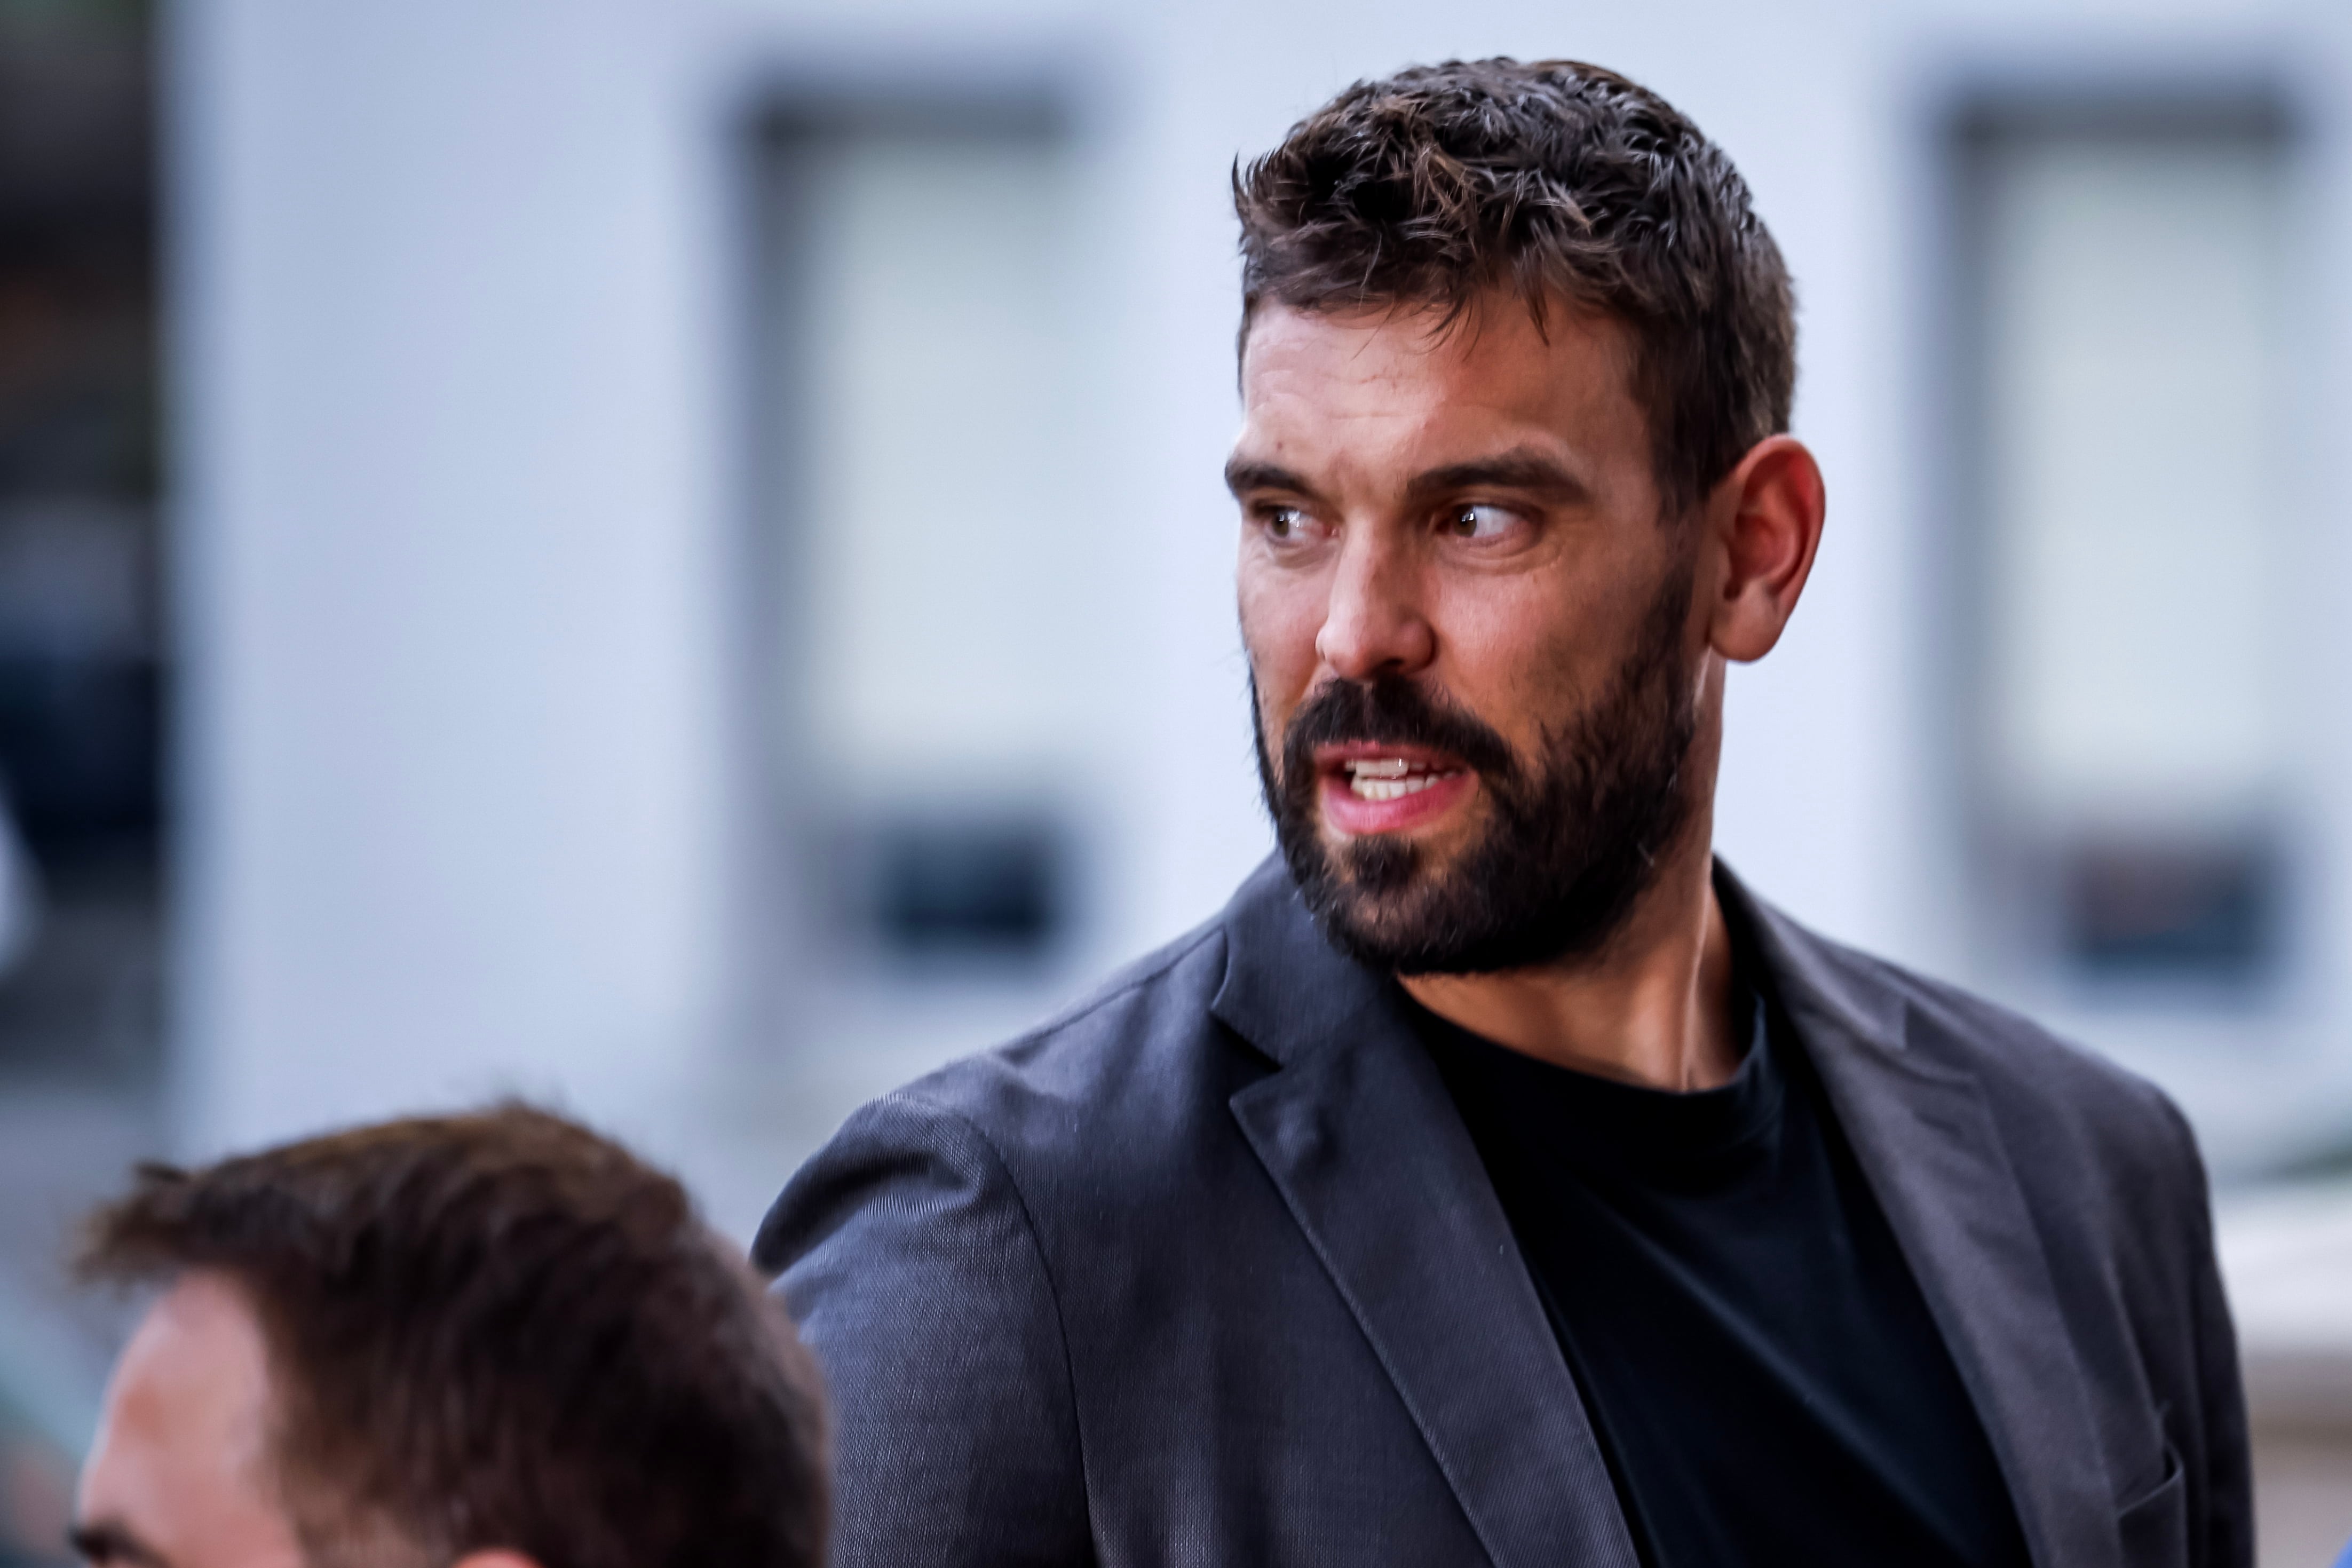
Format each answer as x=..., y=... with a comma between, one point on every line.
x=81, y=646
x=926, y=551
x=2125, y=550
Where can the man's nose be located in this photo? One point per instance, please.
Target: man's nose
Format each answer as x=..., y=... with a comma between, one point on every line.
x=1374, y=625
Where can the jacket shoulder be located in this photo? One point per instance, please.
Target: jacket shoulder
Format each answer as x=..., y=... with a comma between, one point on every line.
x=2038, y=1083
x=1122, y=1078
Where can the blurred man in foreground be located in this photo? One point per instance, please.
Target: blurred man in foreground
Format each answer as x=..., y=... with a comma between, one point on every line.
x=1497, y=1179
x=493, y=1341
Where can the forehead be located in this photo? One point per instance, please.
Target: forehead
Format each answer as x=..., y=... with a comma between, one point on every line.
x=198, y=1367
x=1406, y=385
x=180, y=1456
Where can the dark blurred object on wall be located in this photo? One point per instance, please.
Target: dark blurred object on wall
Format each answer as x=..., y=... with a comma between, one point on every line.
x=82, y=678
x=82, y=653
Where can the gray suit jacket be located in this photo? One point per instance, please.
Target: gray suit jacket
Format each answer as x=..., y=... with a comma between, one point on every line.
x=1207, y=1270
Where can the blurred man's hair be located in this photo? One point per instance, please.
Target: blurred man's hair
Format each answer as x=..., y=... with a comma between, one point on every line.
x=499, y=1331
x=1552, y=181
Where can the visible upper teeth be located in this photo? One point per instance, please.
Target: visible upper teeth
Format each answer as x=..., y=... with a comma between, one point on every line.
x=1389, y=789
x=1380, y=767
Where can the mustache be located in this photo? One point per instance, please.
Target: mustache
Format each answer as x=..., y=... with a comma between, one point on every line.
x=1389, y=710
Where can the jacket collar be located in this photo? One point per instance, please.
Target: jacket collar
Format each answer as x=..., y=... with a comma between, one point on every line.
x=1925, y=1136
x=1286, y=991
x=1359, y=1132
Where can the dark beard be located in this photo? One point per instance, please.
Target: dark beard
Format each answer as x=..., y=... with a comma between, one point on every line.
x=1567, y=850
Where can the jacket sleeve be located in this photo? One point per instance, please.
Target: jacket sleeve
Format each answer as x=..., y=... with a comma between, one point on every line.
x=909, y=1260
x=2223, y=1526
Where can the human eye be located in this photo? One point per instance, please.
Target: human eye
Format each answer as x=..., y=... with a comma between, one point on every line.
x=1285, y=524
x=1484, y=523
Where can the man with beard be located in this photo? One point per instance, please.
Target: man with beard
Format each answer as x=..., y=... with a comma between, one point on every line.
x=1497, y=1179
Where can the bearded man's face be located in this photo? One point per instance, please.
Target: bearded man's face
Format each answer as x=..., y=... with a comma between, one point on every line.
x=1471, y=637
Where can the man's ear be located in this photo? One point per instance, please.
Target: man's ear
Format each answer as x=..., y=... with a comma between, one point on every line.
x=1765, y=520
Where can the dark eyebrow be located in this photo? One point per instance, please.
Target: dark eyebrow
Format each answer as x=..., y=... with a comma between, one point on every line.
x=109, y=1541
x=1516, y=470
x=1244, y=474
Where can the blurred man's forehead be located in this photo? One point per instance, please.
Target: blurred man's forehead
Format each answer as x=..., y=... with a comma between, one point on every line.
x=199, y=1358
x=180, y=1466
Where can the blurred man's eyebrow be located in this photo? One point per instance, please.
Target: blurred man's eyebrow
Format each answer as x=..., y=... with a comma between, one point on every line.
x=107, y=1542
x=1515, y=470
x=1244, y=474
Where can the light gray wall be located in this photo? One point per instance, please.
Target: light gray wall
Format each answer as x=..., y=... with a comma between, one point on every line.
x=451, y=758
x=457, y=357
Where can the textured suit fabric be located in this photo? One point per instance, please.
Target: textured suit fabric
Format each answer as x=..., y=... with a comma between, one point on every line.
x=1206, y=1271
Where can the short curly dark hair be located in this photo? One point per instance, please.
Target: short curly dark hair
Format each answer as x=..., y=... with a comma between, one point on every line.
x=499, y=1329
x=1549, y=180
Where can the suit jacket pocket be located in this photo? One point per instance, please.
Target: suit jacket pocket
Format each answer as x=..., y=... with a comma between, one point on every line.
x=2154, y=1526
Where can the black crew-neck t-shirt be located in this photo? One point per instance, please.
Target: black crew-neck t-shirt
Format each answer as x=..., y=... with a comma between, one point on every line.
x=1758, y=1364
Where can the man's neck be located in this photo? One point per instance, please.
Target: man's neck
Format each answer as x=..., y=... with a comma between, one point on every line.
x=1654, y=1007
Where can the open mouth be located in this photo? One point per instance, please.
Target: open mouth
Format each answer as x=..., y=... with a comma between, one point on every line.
x=1392, y=778
x=1370, y=788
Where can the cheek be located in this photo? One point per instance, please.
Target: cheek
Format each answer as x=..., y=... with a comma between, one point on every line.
x=1281, y=615
x=1522, y=655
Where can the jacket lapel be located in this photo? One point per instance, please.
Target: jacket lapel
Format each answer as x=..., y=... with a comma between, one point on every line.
x=1358, y=1132
x=1927, y=1144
